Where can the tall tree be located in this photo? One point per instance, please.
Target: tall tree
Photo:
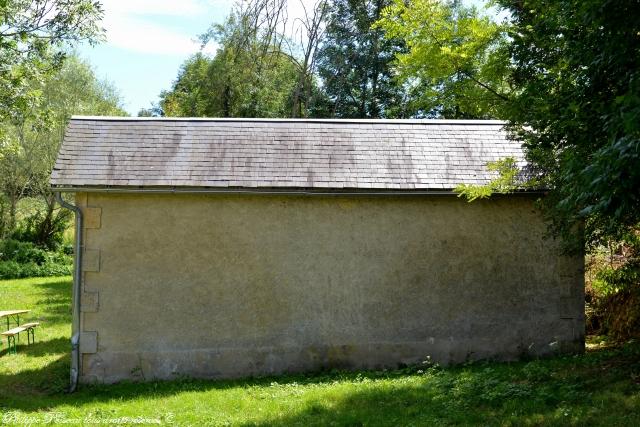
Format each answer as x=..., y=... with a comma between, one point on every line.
x=565, y=74
x=190, y=95
x=31, y=146
x=456, y=64
x=307, y=36
x=33, y=39
x=576, y=64
x=249, y=76
x=355, y=59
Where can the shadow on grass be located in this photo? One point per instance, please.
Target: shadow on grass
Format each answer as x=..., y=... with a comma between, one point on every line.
x=25, y=385
x=55, y=346
x=563, y=390
x=55, y=307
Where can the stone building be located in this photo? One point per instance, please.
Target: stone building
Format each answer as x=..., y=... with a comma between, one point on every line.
x=232, y=247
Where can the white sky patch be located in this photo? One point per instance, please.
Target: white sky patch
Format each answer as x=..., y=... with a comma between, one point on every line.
x=154, y=7
x=130, y=25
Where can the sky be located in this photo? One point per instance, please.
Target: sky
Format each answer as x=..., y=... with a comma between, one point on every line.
x=147, y=41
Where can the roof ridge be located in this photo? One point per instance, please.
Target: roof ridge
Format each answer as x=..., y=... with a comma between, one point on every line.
x=290, y=120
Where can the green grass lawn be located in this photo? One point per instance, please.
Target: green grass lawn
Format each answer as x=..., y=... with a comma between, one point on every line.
x=601, y=387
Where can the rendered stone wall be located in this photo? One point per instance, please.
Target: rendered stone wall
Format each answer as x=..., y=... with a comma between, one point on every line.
x=233, y=285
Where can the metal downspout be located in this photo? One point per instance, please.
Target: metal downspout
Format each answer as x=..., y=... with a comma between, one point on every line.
x=77, y=287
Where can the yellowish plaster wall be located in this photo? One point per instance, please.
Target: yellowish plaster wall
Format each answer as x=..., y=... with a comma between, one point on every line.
x=232, y=285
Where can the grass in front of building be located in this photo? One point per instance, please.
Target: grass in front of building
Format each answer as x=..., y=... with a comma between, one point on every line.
x=601, y=387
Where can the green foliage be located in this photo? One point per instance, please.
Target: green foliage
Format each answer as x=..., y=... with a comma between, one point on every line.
x=24, y=259
x=33, y=39
x=42, y=230
x=354, y=63
x=613, y=304
x=22, y=252
x=564, y=74
x=456, y=61
x=576, y=66
x=30, y=146
x=249, y=76
x=610, y=280
x=189, y=96
x=613, y=288
x=30, y=220
x=15, y=270
x=508, y=180
x=617, y=268
x=4, y=214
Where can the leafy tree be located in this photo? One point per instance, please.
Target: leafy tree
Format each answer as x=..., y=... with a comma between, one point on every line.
x=576, y=66
x=354, y=62
x=249, y=76
x=190, y=95
x=31, y=147
x=566, y=77
x=510, y=178
x=33, y=38
x=456, y=61
x=153, y=111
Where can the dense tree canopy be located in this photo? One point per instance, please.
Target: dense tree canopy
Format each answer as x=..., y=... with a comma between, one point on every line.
x=576, y=67
x=33, y=39
x=249, y=76
x=354, y=63
x=456, y=61
x=377, y=58
x=566, y=77
x=189, y=96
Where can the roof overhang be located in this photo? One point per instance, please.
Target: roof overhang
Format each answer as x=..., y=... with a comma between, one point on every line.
x=275, y=191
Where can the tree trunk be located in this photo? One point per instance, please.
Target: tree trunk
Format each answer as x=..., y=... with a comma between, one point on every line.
x=226, y=101
x=13, y=203
x=45, y=229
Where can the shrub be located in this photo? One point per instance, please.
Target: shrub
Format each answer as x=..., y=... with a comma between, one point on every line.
x=21, y=252
x=15, y=270
x=610, y=280
x=41, y=224
x=613, y=290
x=24, y=259
x=10, y=270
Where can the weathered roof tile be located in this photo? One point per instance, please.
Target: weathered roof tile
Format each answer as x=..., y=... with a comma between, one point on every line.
x=264, y=153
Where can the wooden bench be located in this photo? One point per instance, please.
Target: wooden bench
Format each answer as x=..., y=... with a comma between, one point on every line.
x=11, y=335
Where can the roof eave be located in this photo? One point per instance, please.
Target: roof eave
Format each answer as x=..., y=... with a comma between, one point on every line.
x=267, y=190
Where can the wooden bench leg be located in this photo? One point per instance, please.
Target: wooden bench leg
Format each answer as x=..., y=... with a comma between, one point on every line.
x=31, y=333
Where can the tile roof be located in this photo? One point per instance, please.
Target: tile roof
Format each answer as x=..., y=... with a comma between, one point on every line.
x=279, y=154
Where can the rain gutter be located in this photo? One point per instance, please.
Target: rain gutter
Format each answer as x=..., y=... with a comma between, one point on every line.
x=77, y=287
x=271, y=191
